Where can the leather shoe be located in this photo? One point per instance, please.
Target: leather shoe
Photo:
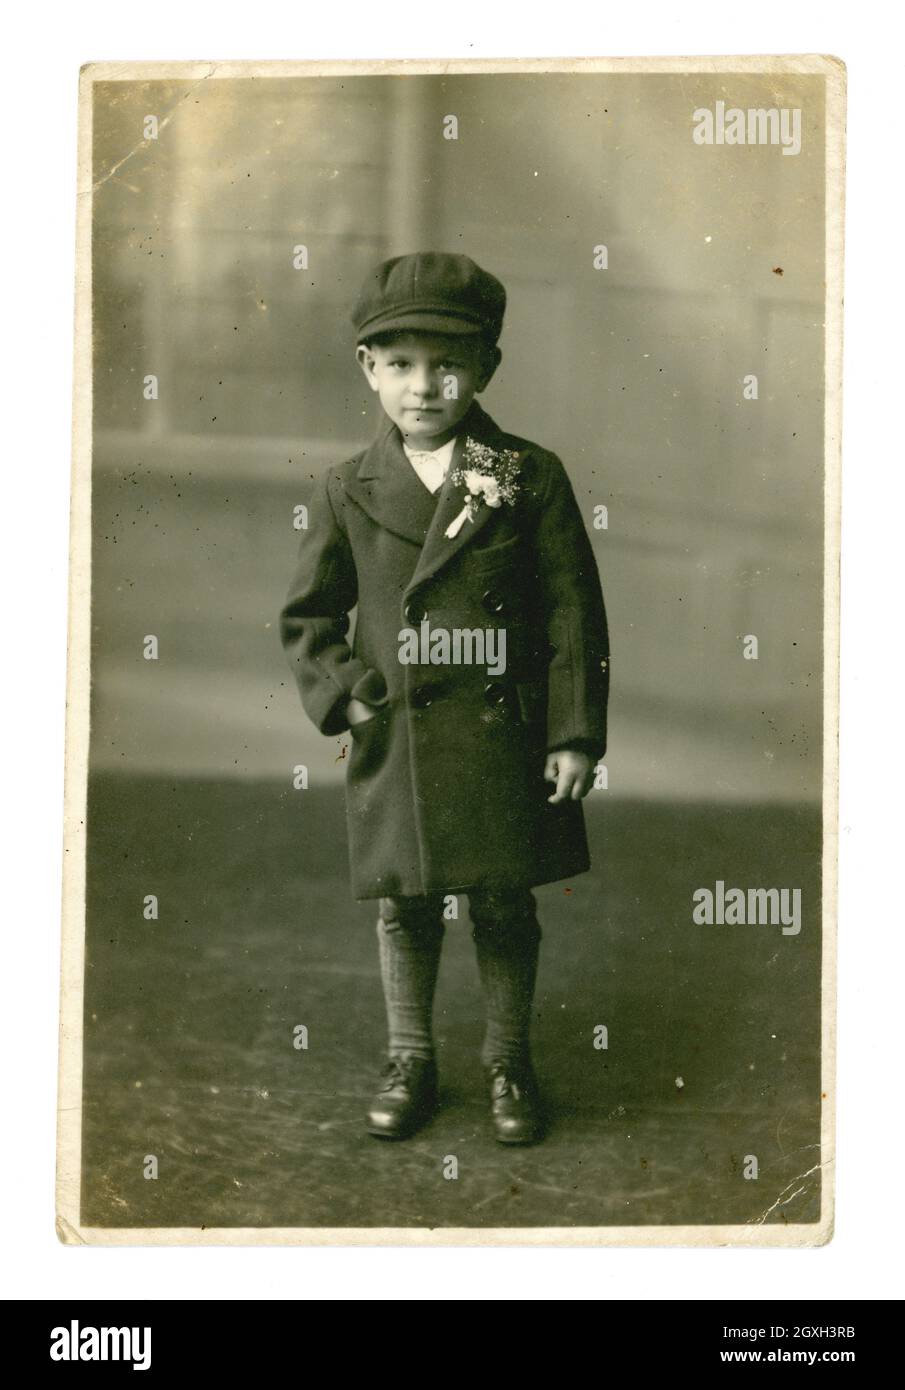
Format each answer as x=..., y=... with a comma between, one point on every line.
x=406, y=1098
x=515, y=1104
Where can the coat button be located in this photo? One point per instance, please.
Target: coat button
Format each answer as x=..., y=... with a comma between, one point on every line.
x=493, y=601
x=421, y=697
x=415, y=611
x=495, y=693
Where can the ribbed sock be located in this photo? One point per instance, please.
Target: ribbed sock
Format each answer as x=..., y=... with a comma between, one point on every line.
x=507, y=939
x=410, y=936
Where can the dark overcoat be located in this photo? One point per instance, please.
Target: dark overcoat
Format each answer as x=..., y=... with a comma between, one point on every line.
x=445, y=787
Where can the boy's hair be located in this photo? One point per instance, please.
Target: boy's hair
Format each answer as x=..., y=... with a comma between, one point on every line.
x=384, y=340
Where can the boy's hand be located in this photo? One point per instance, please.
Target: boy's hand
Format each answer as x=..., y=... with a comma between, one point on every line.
x=357, y=712
x=573, y=773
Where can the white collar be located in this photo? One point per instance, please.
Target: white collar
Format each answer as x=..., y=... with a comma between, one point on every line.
x=442, y=455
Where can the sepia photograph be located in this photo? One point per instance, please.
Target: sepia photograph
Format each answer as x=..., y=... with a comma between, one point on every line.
x=451, y=755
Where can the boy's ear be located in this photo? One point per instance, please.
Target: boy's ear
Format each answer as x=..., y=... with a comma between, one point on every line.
x=365, y=359
x=492, y=359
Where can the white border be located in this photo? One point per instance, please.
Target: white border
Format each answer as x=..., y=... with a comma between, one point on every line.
x=69, y=1097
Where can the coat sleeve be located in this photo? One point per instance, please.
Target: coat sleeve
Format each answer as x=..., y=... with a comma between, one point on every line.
x=574, y=617
x=314, y=621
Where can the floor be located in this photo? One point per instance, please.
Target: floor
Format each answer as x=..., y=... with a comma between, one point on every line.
x=712, y=1063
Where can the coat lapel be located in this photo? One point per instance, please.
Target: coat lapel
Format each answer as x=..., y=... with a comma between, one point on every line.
x=387, y=487
x=439, y=548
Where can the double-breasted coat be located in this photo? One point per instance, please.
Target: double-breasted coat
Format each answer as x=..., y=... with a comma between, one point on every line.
x=444, y=785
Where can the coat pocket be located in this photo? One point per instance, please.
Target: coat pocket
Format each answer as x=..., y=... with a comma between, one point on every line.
x=370, y=744
x=489, y=558
x=532, y=702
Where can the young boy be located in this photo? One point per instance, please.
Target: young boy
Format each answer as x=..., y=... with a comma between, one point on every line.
x=477, y=676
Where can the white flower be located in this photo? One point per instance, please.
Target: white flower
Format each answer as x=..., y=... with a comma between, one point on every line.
x=487, y=487
x=484, y=485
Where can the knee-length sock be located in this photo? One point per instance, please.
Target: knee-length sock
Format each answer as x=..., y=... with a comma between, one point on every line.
x=507, y=939
x=410, y=942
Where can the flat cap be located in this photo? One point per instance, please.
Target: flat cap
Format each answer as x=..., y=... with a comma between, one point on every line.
x=431, y=292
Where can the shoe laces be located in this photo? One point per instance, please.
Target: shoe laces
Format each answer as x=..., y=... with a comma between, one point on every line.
x=509, y=1080
x=398, y=1071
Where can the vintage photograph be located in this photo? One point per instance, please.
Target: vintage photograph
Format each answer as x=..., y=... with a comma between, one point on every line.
x=452, y=735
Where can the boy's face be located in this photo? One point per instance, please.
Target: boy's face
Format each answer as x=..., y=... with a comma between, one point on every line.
x=427, y=381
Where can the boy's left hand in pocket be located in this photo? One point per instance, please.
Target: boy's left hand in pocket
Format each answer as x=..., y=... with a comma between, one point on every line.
x=573, y=773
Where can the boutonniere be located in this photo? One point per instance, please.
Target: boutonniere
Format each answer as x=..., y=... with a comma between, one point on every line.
x=489, y=475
